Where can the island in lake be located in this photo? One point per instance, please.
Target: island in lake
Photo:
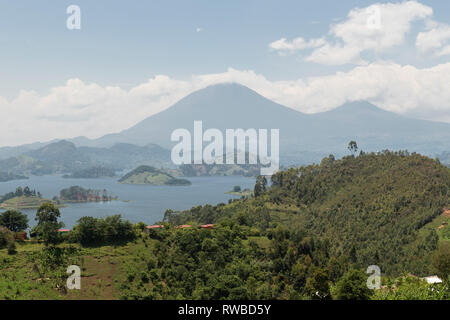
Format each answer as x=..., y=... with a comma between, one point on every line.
x=80, y=194
x=152, y=176
x=22, y=199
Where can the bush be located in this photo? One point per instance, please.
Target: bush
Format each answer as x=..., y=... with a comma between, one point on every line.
x=6, y=237
x=441, y=261
x=94, y=231
x=12, y=248
x=353, y=286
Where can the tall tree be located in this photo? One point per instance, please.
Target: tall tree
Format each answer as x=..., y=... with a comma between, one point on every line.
x=14, y=220
x=353, y=147
x=47, y=228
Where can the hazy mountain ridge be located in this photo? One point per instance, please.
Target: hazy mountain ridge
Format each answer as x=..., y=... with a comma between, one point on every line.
x=303, y=137
x=65, y=157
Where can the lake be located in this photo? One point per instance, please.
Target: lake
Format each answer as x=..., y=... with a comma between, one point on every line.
x=136, y=202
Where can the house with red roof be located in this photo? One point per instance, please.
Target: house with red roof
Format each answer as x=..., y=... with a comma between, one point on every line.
x=183, y=226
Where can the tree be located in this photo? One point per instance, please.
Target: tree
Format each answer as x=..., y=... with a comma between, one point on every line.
x=19, y=192
x=237, y=189
x=318, y=286
x=441, y=261
x=353, y=286
x=353, y=147
x=260, y=186
x=47, y=227
x=88, y=231
x=14, y=220
x=27, y=192
x=6, y=237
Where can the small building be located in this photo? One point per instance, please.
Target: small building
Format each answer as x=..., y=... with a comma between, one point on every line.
x=154, y=227
x=183, y=226
x=63, y=231
x=21, y=235
x=206, y=226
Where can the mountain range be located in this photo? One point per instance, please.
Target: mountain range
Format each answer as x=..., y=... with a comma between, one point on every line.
x=304, y=138
x=65, y=157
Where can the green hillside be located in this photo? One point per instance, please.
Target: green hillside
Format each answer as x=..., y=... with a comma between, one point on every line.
x=371, y=209
x=311, y=234
x=152, y=176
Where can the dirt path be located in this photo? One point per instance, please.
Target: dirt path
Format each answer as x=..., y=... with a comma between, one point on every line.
x=96, y=280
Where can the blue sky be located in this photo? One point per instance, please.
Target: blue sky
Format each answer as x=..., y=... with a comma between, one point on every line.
x=126, y=44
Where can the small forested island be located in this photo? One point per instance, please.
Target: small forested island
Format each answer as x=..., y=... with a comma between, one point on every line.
x=22, y=198
x=7, y=176
x=152, y=176
x=79, y=194
x=92, y=173
x=237, y=191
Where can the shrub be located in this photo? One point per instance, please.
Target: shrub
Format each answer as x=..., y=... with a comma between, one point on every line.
x=6, y=237
x=12, y=248
x=353, y=286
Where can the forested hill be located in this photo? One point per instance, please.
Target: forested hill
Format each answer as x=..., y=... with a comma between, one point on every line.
x=369, y=209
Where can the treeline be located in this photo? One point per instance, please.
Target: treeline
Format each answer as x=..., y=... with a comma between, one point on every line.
x=92, y=231
x=77, y=193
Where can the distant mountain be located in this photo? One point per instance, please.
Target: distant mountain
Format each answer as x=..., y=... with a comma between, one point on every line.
x=303, y=137
x=7, y=176
x=91, y=173
x=126, y=156
x=65, y=157
x=8, y=152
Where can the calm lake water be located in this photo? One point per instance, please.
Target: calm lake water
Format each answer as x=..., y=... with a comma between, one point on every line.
x=136, y=202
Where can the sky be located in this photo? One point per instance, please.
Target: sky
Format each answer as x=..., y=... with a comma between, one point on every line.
x=132, y=59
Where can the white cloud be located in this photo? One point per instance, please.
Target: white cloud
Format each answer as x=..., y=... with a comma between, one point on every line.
x=88, y=109
x=436, y=39
x=296, y=44
x=374, y=28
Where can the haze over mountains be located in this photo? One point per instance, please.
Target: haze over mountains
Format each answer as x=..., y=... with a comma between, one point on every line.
x=303, y=137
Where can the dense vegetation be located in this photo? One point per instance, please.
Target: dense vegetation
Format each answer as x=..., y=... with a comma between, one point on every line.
x=369, y=208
